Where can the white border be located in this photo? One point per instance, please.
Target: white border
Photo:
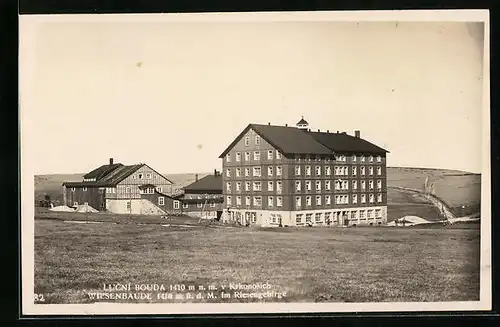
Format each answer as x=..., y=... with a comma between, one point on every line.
x=27, y=29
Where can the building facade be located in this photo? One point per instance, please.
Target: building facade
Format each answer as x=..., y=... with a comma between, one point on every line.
x=203, y=198
x=134, y=189
x=292, y=176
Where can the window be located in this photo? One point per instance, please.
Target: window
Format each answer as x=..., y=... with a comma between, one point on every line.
x=308, y=185
x=298, y=201
x=337, y=185
x=257, y=140
x=270, y=155
x=370, y=184
x=345, y=185
x=353, y=158
x=362, y=169
x=257, y=201
x=270, y=171
x=141, y=176
x=75, y=204
x=238, y=156
x=256, y=171
x=228, y=172
x=229, y=200
x=257, y=186
x=247, y=186
x=327, y=185
x=278, y=155
x=256, y=155
x=247, y=200
x=212, y=204
x=73, y=189
x=354, y=171
x=370, y=158
x=379, y=159
x=308, y=201
x=363, y=198
x=185, y=205
x=279, y=187
x=363, y=185
x=328, y=200
x=84, y=189
x=238, y=200
x=270, y=186
x=279, y=171
x=228, y=187
x=279, y=201
x=176, y=204
x=362, y=158
x=298, y=219
x=308, y=158
x=372, y=198
x=127, y=189
x=270, y=201
x=328, y=170
x=308, y=217
x=370, y=170
x=297, y=186
x=370, y=214
x=129, y=205
x=238, y=186
x=85, y=203
x=354, y=185
x=354, y=198
x=254, y=217
x=161, y=201
x=159, y=189
x=353, y=215
x=379, y=197
x=379, y=170
x=247, y=141
x=247, y=172
x=148, y=176
x=318, y=170
x=318, y=185
x=308, y=170
x=297, y=170
x=362, y=215
x=317, y=217
x=247, y=156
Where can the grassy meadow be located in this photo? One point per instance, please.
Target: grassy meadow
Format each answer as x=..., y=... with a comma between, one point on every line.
x=309, y=264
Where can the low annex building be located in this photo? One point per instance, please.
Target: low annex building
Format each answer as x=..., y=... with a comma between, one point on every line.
x=121, y=189
x=293, y=176
x=203, y=198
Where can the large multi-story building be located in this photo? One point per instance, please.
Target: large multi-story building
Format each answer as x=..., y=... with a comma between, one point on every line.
x=292, y=176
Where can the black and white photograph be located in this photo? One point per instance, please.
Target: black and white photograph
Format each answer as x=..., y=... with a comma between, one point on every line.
x=279, y=162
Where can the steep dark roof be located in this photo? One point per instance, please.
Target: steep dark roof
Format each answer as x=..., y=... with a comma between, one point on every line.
x=302, y=122
x=289, y=140
x=102, y=171
x=111, y=179
x=208, y=183
x=342, y=142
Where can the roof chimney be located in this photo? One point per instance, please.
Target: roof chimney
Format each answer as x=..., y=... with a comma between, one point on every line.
x=286, y=125
x=318, y=129
x=196, y=177
x=110, y=161
x=328, y=131
x=337, y=132
x=357, y=133
x=215, y=172
x=269, y=123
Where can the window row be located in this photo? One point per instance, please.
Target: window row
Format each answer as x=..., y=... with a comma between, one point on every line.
x=144, y=176
x=339, y=199
x=278, y=171
x=271, y=154
x=329, y=217
x=339, y=185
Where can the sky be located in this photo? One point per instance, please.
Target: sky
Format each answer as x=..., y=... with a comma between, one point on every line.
x=174, y=95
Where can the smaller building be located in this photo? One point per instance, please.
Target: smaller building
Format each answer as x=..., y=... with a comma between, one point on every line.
x=203, y=198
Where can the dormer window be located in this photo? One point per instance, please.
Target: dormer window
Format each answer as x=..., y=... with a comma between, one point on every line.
x=141, y=176
x=257, y=140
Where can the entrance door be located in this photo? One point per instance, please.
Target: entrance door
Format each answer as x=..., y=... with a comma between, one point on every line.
x=345, y=218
